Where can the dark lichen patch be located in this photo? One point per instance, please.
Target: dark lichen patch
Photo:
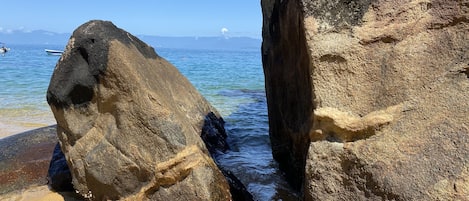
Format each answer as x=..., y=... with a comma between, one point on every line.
x=337, y=13
x=382, y=39
x=85, y=62
x=81, y=94
x=332, y=58
x=466, y=71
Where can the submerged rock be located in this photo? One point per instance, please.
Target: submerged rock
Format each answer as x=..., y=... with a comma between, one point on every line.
x=129, y=123
x=368, y=99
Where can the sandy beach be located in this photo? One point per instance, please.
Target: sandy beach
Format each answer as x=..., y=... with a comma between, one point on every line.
x=38, y=193
x=9, y=130
x=15, y=125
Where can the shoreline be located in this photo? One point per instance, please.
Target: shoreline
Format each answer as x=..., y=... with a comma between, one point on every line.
x=10, y=126
x=8, y=130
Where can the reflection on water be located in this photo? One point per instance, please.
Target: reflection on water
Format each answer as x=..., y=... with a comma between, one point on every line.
x=250, y=157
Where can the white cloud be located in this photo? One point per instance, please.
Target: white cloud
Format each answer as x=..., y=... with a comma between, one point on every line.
x=6, y=31
x=20, y=29
x=224, y=32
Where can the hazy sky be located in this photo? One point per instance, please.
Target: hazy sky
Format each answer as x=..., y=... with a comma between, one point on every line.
x=150, y=17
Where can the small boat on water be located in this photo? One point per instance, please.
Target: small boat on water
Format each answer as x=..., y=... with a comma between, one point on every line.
x=54, y=52
x=4, y=49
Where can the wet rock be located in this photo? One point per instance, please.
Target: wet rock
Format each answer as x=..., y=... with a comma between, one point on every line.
x=214, y=134
x=366, y=98
x=24, y=158
x=214, y=137
x=129, y=123
x=58, y=176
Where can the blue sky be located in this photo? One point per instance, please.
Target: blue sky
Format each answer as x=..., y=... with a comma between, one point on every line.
x=156, y=17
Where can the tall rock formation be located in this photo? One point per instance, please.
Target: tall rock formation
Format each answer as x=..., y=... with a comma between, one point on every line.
x=129, y=123
x=288, y=85
x=368, y=99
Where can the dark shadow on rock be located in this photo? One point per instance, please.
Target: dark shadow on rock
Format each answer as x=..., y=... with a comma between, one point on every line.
x=214, y=134
x=59, y=177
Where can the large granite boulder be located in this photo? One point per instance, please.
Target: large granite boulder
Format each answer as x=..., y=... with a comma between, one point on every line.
x=369, y=99
x=129, y=123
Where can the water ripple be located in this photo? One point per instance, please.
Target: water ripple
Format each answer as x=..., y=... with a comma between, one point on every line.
x=250, y=157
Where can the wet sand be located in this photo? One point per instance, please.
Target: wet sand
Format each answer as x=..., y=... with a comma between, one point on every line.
x=39, y=193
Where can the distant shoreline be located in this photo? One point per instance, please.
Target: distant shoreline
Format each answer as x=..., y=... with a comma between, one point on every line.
x=47, y=38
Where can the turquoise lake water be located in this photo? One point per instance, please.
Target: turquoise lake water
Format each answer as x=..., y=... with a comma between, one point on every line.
x=232, y=80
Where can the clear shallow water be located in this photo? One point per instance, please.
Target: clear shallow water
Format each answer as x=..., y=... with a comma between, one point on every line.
x=232, y=81
x=25, y=73
x=217, y=72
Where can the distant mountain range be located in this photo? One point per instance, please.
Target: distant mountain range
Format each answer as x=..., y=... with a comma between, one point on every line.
x=42, y=37
x=202, y=42
x=34, y=37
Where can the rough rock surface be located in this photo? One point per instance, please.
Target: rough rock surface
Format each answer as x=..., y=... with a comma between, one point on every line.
x=25, y=157
x=370, y=97
x=129, y=123
x=288, y=85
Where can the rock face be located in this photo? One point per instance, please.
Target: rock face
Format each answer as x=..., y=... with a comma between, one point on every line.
x=129, y=123
x=368, y=99
x=289, y=91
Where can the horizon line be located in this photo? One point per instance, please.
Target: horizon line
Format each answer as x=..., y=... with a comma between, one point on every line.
x=9, y=31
